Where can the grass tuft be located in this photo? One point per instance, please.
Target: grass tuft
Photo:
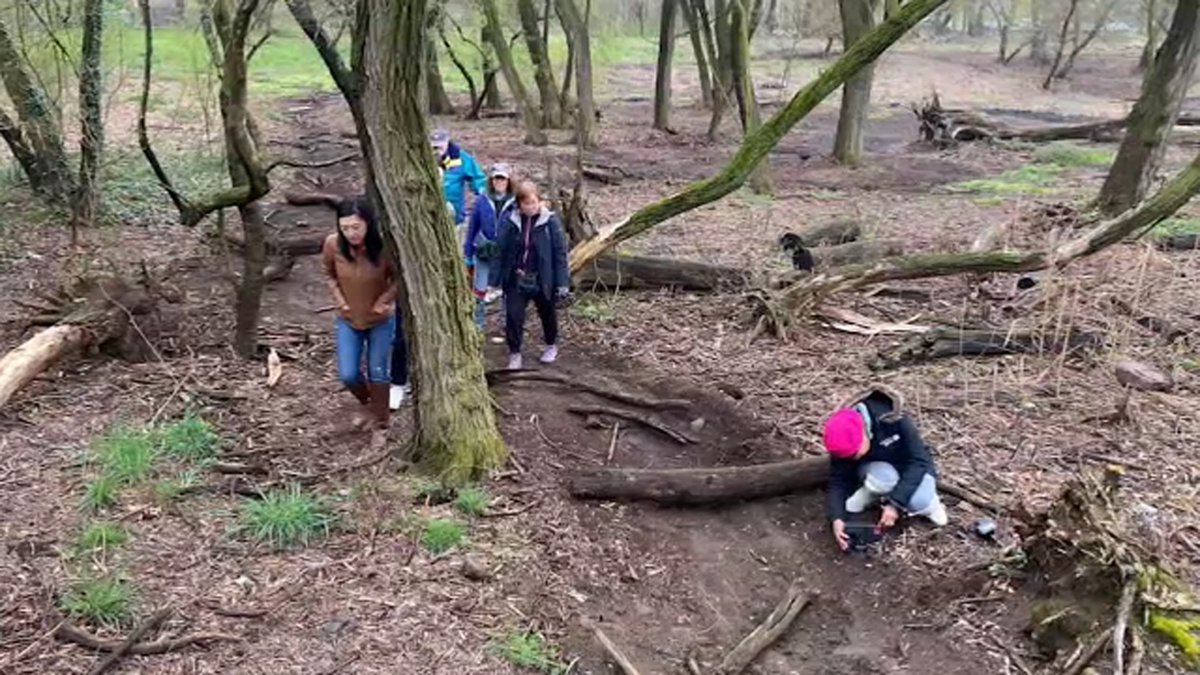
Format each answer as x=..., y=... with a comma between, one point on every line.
x=171, y=489
x=593, y=308
x=285, y=517
x=442, y=534
x=100, y=494
x=126, y=455
x=1069, y=155
x=1034, y=179
x=190, y=438
x=528, y=650
x=102, y=537
x=104, y=602
x=471, y=502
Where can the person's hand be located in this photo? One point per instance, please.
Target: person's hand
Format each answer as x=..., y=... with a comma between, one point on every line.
x=839, y=534
x=383, y=308
x=344, y=308
x=563, y=292
x=889, y=517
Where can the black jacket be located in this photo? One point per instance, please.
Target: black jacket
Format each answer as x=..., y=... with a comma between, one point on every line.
x=547, y=238
x=895, y=440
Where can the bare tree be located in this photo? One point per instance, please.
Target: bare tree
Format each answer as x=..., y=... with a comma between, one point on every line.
x=702, y=65
x=662, y=72
x=552, y=114
x=91, y=119
x=1004, y=12
x=858, y=19
x=439, y=101
x=1078, y=41
x=456, y=429
x=495, y=35
x=1163, y=92
x=577, y=25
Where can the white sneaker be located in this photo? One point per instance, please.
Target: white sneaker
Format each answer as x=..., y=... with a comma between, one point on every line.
x=936, y=513
x=396, y=395
x=496, y=339
x=860, y=500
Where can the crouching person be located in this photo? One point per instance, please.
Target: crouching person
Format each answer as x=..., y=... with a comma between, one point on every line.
x=363, y=286
x=877, y=455
x=532, y=266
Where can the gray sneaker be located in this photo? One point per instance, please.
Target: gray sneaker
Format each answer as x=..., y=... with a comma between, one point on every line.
x=514, y=362
x=549, y=354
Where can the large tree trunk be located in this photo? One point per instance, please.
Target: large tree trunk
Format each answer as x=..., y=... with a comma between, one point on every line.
x=250, y=288
x=37, y=125
x=694, y=33
x=495, y=36
x=1155, y=112
x=743, y=86
x=552, y=114
x=585, y=113
x=701, y=486
x=858, y=19
x=91, y=120
x=662, y=71
x=439, y=101
x=755, y=146
x=722, y=61
x=456, y=429
x=1147, y=58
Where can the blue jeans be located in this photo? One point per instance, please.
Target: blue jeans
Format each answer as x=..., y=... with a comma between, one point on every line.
x=378, y=347
x=880, y=478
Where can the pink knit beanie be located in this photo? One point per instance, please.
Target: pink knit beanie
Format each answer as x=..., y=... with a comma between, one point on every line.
x=844, y=433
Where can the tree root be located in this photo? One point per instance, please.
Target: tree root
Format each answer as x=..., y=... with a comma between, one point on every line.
x=495, y=377
x=618, y=657
x=634, y=416
x=138, y=633
x=70, y=633
x=775, y=625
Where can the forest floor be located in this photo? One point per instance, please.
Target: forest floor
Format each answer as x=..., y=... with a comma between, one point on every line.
x=666, y=584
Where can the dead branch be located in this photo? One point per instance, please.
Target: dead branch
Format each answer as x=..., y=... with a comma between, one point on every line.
x=1088, y=654
x=700, y=486
x=70, y=633
x=138, y=633
x=626, y=272
x=775, y=625
x=301, y=164
x=495, y=377
x=941, y=343
x=1124, y=609
x=649, y=421
x=234, y=612
x=969, y=495
x=614, y=653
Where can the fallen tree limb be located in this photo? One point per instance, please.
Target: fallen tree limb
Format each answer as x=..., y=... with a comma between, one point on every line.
x=696, y=487
x=495, y=377
x=634, y=416
x=775, y=625
x=31, y=358
x=941, y=343
x=831, y=233
x=138, y=633
x=618, y=657
x=626, y=272
x=70, y=633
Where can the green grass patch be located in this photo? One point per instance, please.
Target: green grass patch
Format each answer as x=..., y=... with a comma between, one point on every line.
x=126, y=454
x=1070, y=155
x=1183, y=634
x=191, y=439
x=593, y=307
x=528, y=650
x=171, y=489
x=1172, y=227
x=1034, y=179
x=285, y=517
x=103, y=602
x=100, y=493
x=131, y=194
x=441, y=535
x=471, y=502
x=102, y=537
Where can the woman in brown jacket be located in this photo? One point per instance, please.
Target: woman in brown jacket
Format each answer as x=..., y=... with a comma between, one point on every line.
x=364, y=289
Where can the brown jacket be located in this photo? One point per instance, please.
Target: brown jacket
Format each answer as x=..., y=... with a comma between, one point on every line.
x=361, y=283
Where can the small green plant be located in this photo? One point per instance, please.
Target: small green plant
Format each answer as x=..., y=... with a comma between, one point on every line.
x=190, y=438
x=1183, y=634
x=1069, y=155
x=1172, y=227
x=431, y=491
x=285, y=517
x=593, y=308
x=104, y=602
x=441, y=535
x=100, y=494
x=170, y=489
x=528, y=650
x=126, y=455
x=471, y=502
x=102, y=537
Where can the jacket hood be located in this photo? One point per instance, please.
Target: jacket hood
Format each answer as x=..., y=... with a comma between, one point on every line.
x=543, y=217
x=880, y=399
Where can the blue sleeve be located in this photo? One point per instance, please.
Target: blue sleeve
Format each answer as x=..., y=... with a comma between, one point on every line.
x=558, y=249
x=843, y=479
x=472, y=231
x=918, y=463
x=473, y=173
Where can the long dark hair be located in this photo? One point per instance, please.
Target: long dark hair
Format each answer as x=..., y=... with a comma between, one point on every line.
x=373, y=241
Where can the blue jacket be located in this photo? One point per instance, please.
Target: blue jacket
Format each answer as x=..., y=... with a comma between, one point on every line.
x=549, y=242
x=460, y=170
x=895, y=440
x=484, y=220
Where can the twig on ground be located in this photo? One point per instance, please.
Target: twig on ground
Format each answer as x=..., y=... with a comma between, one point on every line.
x=300, y=164
x=29, y=648
x=614, y=653
x=1076, y=666
x=775, y=625
x=1124, y=609
x=138, y=633
x=634, y=416
x=970, y=496
x=612, y=445
x=1013, y=656
x=71, y=633
x=234, y=612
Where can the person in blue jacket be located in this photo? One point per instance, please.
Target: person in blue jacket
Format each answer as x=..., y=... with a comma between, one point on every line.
x=532, y=266
x=460, y=173
x=479, y=247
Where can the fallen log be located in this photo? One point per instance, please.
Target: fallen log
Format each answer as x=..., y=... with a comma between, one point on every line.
x=31, y=358
x=831, y=233
x=856, y=252
x=626, y=272
x=943, y=343
x=700, y=486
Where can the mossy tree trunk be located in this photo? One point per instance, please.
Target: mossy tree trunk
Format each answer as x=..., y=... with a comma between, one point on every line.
x=722, y=62
x=456, y=429
x=439, y=101
x=495, y=36
x=35, y=135
x=585, y=112
x=1163, y=91
x=662, y=70
x=743, y=86
x=91, y=119
x=858, y=19
x=757, y=145
x=543, y=73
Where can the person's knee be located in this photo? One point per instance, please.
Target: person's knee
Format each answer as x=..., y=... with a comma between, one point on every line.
x=349, y=376
x=881, y=478
x=924, y=497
